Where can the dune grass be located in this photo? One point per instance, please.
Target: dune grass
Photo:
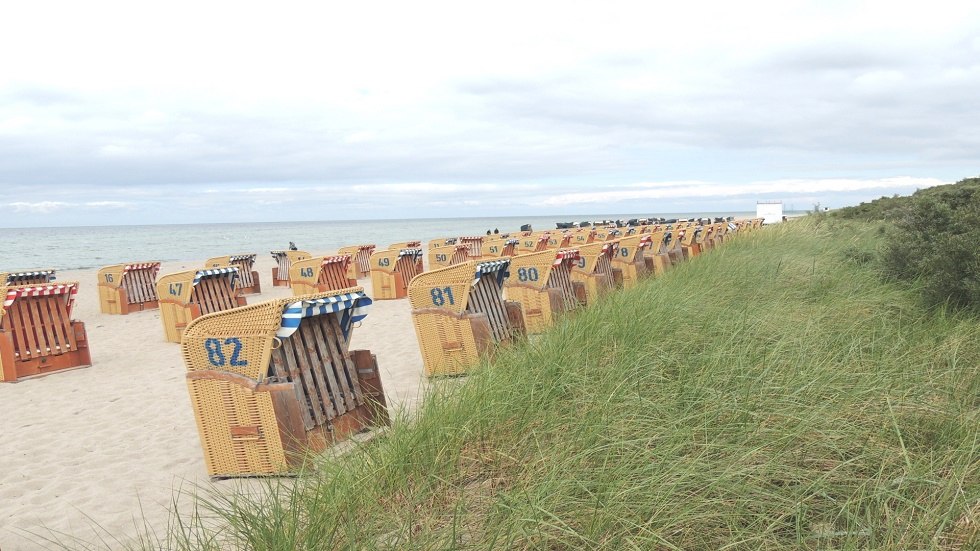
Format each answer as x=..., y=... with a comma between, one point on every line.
x=770, y=394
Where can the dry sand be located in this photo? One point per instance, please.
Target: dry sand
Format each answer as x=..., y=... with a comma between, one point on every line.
x=94, y=453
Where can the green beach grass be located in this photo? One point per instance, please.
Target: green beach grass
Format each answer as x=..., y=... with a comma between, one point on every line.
x=770, y=394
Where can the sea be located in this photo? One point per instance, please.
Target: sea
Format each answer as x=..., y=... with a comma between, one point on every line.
x=83, y=247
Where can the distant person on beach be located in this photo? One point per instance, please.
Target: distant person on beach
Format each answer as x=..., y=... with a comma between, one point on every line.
x=488, y=232
x=496, y=231
x=292, y=246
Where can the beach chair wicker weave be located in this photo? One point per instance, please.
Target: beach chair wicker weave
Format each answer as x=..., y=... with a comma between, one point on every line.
x=272, y=382
x=249, y=278
x=284, y=260
x=360, y=255
x=321, y=274
x=448, y=255
x=594, y=268
x=186, y=296
x=533, y=243
x=459, y=314
x=474, y=246
x=32, y=277
x=126, y=288
x=497, y=247
x=37, y=334
x=392, y=270
x=629, y=259
x=541, y=282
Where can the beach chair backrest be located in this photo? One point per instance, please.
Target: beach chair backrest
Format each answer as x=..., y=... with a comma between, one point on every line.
x=594, y=268
x=392, y=270
x=459, y=314
x=474, y=246
x=248, y=278
x=498, y=246
x=321, y=274
x=186, y=296
x=448, y=255
x=541, y=282
x=272, y=382
x=125, y=288
x=406, y=245
x=535, y=242
x=284, y=261
x=29, y=277
x=360, y=265
x=583, y=236
x=37, y=334
x=629, y=258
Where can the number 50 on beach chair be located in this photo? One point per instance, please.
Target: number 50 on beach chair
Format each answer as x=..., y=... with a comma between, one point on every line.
x=37, y=334
x=272, y=382
x=459, y=314
x=126, y=288
x=186, y=296
x=542, y=283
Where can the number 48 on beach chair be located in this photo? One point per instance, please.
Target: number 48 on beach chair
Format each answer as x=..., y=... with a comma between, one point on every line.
x=272, y=382
x=37, y=334
x=186, y=296
x=542, y=283
x=126, y=288
x=459, y=314
x=321, y=274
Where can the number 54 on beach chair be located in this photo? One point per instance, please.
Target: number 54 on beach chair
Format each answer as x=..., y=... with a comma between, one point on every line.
x=186, y=296
x=37, y=334
x=542, y=284
x=392, y=270
x=460, y=314
x=273, y=382
x=127, y=288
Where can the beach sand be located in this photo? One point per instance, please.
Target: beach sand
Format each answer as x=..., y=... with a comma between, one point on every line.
x=95, y=453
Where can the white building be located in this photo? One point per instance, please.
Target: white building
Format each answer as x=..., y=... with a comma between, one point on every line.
x=770, y=211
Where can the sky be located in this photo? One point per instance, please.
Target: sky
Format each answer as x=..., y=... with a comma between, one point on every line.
x=188, y=112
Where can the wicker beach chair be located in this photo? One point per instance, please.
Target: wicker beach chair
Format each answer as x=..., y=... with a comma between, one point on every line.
x=629, y=259
x=37, y=334
x=30, y=277
x=533, y=243
x=460, y=315
x=474, y=246
x=321, y=274
x=448, y=255
x=594, y=268
x=672, y=243
x=186, y=296
x=499, y=246
x=655, y=256
x=360, y=255
x=249, y=283
x=583, y=236
x=559, y=240
x=690, y=244
x=127, y=288
x=542, y=284
x=272, y=382
x=392, y=270
x=406, y=245
x=284, y=261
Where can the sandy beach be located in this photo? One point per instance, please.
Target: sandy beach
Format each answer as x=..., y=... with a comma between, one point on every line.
x=95, y=453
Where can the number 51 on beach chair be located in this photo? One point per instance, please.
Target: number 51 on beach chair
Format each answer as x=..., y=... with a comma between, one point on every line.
x=37, y=334
x=460, y=314
x=392, y=270
x=186, y=296
x=542, y=283
x=274, y=382
x=127, y=288
x=249, y=278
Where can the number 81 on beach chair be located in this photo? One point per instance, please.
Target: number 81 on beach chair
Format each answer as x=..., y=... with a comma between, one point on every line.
x=273, y=382
x=541, y=282
x=460, y=314
x=186, y=296
x=37, y=334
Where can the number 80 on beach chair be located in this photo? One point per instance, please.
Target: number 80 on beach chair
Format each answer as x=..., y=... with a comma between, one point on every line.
x=541, y=282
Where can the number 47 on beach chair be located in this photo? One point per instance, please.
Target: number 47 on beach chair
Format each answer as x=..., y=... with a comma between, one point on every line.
x=186, y=296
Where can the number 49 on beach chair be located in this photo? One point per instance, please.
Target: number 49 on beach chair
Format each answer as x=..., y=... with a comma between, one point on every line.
x=392, y=270
x=273, y=382
x=459, y=314
x=594, y=268
x=126, y=288
x=186, y=296
x=37, y=334
x=542, y=283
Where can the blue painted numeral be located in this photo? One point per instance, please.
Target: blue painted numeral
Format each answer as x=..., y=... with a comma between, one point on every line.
x=216, y=354
x=439, y=296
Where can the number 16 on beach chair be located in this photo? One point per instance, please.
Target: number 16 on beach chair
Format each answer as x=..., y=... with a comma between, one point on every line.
x=37, y=334
x=249, y=282
x=33, y=277
x=321, y=274
x=284, y=261
x=459, y=314
x=186, y=296
x=392, y=270
x=127, y=288
x=542, y=283
x=273, y=382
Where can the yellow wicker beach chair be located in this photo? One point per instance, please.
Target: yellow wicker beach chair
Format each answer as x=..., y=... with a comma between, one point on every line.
x=392, y=270
x=497, y=247
x=474, y=246
x=360, y=255
x=284, y=261
x=249, y=283
x=448, y=255
x=594, y=268
x=186, y=296
x=272, y=382
x=406, y=245
x=459, y=314
x=656, y=256
x=584, y=236
x=37, y=334
x=321, y=274
x=127, y=288
x=542, y=284
x=559, y=239
x=533, y=243
x=629, y=259
x=689, y=241
x=30, y=277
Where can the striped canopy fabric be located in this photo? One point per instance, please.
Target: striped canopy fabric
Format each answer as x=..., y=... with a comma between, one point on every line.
x=566, y=254
x=336, y=258
x=410, y=252
x=608, y=247
x=231, y=272
x=69, y=291
x=349, y=308
x=241, y=257
x=142, y=266
x=14, y=276
x=512, y=241
x=498, y=266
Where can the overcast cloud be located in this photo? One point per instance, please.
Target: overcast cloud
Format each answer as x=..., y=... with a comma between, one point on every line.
x=125, y=112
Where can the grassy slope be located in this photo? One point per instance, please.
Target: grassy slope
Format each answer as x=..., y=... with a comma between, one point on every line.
x=769, y=394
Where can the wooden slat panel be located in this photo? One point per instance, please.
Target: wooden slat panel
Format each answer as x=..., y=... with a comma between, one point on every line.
x=281, y=371
x=304, y=343
x=326, y=363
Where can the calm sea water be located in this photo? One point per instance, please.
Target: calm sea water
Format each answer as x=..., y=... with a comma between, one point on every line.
x=95, y=246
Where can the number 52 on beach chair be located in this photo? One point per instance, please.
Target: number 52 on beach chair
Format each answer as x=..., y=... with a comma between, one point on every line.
x=460, y=314
x=542, y=283
x=37, y=334
x=273, y=382
x=186, y=296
